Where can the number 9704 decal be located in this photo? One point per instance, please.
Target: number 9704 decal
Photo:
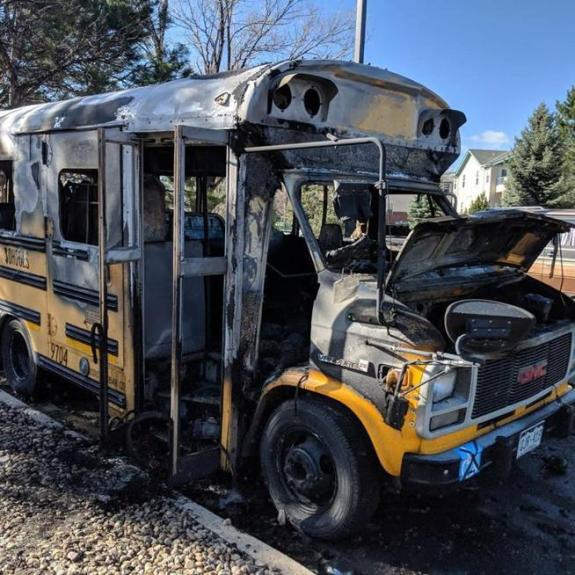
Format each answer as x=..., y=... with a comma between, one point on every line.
x=58, y=353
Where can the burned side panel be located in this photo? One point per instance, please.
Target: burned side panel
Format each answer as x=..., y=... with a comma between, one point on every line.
x=73, y=281
x=249, y=222
x=23, y=272
x=260, y=182
x=26, y=158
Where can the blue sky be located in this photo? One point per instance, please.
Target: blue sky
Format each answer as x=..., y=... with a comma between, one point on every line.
x=495, y=60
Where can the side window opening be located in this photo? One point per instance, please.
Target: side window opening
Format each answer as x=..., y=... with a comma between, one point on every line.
x=317, y=202
x=78, y=196
x=204, y=197
x=7, y=207
x=282, y=213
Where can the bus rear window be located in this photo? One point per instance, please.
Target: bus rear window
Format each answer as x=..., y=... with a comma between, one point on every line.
x=7, y=210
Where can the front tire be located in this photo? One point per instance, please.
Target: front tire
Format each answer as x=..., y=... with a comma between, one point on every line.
x=319, y=468
x=18, y=358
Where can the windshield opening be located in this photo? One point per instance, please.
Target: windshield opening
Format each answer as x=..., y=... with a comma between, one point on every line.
x=343, y=219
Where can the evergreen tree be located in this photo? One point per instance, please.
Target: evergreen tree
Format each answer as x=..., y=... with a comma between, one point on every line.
x=54, y=49
x=535, y=165
x=479, y=203
x=566, y=125
x=160, y=61
x=419, y=209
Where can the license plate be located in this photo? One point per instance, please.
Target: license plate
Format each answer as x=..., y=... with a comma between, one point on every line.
x=530, y=439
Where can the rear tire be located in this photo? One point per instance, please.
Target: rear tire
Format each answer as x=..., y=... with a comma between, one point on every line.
x=320, y=469
x=18, y=358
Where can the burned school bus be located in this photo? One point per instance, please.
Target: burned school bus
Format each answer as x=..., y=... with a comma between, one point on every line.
x=237, y=255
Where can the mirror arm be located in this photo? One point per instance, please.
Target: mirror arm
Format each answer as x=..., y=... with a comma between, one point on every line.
x=382, y=248
x=554, y=256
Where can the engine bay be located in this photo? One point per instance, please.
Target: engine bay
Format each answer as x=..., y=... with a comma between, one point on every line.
x=550, y=308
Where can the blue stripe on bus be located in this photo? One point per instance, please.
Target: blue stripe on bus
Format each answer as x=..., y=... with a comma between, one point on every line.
x=116, y=397
x=20, y=312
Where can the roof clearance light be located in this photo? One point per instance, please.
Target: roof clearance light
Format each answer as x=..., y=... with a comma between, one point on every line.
x=444, y=129
x=282, y=97
x=427, y=127
x=312, y=101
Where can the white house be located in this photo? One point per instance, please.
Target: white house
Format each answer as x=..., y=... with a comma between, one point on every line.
x=481, y=172
x=446, y=183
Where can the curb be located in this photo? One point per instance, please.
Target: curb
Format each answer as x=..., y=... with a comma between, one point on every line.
x=261, y=552
x=251, y=546
x=36, y=415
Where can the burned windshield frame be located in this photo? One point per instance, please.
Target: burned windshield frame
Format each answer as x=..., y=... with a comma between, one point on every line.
x=435, y=200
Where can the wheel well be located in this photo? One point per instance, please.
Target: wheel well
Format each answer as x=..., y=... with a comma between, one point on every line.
x=3, y=321
x=282, y=393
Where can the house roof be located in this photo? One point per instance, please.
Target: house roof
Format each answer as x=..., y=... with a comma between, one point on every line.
x=484, y=157
x=500, y=159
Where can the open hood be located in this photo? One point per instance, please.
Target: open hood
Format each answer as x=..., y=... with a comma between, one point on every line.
x=492, y=238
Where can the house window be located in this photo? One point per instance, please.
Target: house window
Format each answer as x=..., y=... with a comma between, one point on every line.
x=487, y=178
x=463, y=181
x=503, y=173
x=477, y=178
x=7, y=208
x=78, y=191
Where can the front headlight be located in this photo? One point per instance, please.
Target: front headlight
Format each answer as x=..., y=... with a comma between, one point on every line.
x=446, y=397
x=442, y=380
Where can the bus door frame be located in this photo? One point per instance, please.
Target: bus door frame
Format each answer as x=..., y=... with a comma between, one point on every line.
x=184, y=468
x=131, y=188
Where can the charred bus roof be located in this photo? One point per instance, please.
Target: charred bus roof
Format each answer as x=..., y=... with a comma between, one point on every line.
x=289, y=101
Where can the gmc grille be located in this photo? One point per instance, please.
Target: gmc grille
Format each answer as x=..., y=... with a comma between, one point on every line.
x=497, y=380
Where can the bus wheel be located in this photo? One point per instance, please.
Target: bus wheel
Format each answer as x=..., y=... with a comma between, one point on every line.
x=319, y=469
x=18, y=358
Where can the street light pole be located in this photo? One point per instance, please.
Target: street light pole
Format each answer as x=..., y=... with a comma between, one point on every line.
x=360, y=12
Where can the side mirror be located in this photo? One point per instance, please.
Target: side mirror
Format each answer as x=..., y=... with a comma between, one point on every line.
x=485, y=328
x=352, y=201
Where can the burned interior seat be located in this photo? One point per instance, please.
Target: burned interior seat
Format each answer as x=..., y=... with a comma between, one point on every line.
x=155, y=225
x=330, y=237
x=158, y=301
x=158, y=281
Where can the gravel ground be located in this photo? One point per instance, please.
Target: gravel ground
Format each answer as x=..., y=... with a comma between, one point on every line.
x=66, y=509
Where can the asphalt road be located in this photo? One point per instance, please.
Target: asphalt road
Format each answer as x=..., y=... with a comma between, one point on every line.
x=524, y=526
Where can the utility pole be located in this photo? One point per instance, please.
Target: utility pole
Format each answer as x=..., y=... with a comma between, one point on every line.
x=360, y=12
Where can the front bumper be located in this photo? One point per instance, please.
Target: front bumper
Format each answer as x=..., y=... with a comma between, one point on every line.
x=496, y=449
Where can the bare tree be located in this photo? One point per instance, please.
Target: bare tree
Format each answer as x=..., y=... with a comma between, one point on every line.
x=161, y=60
x=233, y=34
